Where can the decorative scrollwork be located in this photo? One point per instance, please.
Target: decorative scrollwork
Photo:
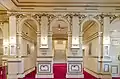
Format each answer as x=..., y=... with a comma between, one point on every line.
x=99, y=18
x=51, y=17
x=81, y=18
x=37, y=17
x=113, y=17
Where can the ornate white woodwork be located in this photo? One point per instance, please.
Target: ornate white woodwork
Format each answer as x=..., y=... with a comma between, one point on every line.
x=75, y=22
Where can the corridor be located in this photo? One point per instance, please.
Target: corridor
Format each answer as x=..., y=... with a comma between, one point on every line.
x=60, y=39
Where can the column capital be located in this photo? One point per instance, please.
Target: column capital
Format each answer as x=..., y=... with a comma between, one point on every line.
x=50, y=34
x=12, y=14
x=111, y=16
x=37, y=16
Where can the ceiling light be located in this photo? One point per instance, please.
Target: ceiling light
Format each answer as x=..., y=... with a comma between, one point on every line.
x=59, y=29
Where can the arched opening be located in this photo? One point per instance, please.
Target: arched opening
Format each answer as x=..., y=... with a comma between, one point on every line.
x=1, y=45
x=114, y=50
x=28, y=42
x=1, y=42
x=59, y=41
x=91, y=46
x=59, y=28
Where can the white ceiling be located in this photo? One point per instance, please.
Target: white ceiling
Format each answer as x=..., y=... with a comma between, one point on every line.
x=61, y=5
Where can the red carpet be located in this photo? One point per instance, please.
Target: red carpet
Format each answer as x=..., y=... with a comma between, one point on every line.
x=89, y=76
x=116, y=78
x=58, y=69
x=3, y=72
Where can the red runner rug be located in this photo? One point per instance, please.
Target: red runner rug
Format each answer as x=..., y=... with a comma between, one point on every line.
x=59, y=71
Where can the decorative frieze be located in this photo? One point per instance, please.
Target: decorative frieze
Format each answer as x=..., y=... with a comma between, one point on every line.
x=99, y=18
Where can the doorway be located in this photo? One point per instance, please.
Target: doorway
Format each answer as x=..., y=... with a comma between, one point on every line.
x=91, y=46
x=59, y=41
x=59, y=44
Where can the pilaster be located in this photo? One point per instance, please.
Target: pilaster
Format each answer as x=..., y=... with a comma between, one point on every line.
x=5, y=39
x=104, y=59
x=74, y=58
x=13, y=62
x=12, y=30
x=44, y=56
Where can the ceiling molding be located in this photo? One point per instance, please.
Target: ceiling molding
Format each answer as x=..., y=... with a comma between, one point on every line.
x=30, y=26
x=65, y=4
x=68, y=2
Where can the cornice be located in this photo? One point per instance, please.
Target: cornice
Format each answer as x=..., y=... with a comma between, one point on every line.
x=64, y=4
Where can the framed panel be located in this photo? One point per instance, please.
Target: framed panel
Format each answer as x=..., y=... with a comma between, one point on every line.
x=12, y=50
x=106, y=67
x=106, y=50
x=74, y=67
x=44, y=67
x=114, y=69
x=5, y=50
x=90, y=49
x=28, y=49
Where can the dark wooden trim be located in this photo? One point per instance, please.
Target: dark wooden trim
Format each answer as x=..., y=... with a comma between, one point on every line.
x=75, y=57
x=14, y=61
x=44, y=61
x=74, y=61
x=44, y=56
x=26, y=71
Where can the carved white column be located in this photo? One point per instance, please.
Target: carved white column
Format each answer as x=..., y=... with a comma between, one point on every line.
x=104, y=58
x=75, y=32
x=44, y=57
x=12, y=31
x=50, y=53
x=5, y=29
x=74, y=58
x=19, y=44
x=13, y=62
x=5, y=39
x=106, y=37
x=69, y=44
x=44, y=32
x=38, y=43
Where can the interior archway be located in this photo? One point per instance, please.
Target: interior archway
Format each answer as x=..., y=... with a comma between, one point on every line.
x=29, y=43
x=114, y=50
x=60, y=29
x=1, y=45
x=1, y=42
x=91, y=44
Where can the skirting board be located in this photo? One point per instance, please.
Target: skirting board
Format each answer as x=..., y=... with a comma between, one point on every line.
x=97, y=75
x=27, y=72
x=74, y=76
x=44, y=76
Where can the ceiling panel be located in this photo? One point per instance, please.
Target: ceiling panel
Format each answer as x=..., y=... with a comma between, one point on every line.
x=61, y=5
x=68, y=0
